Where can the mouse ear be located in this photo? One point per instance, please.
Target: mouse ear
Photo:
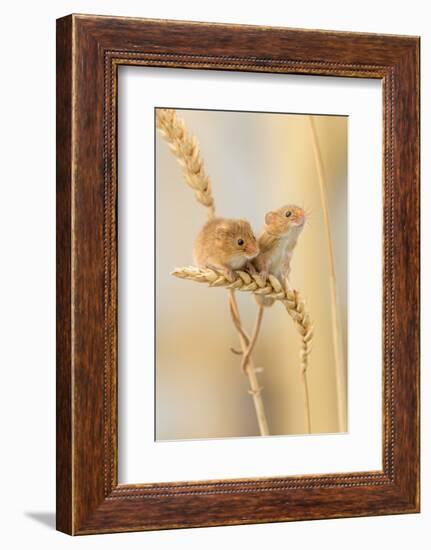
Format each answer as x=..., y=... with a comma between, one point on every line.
x=269, y=218
x=221, y=230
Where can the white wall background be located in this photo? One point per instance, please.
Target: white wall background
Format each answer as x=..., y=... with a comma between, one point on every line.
x=27, y=218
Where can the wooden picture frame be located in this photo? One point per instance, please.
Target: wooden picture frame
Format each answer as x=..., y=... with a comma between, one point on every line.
x=89, y=51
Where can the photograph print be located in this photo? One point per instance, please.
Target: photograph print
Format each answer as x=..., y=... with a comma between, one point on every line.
x=251, y=274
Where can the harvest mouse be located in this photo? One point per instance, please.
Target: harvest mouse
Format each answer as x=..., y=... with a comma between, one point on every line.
x=226, y=245
x=277, y=242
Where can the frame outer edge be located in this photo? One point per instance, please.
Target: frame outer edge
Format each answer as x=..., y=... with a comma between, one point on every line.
x=64, y=368
x=407, y=273
x=81, y=508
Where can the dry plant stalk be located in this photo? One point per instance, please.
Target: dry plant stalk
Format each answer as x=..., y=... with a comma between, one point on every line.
x=186, y=150
x=340, y=375
x=249, y=368
x=272, y=288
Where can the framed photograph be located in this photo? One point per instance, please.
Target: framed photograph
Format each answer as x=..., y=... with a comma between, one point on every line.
x=237, y=274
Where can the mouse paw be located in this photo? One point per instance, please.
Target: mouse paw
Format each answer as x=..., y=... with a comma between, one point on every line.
x=250, y=268
x=229, y=274
x=264, y=275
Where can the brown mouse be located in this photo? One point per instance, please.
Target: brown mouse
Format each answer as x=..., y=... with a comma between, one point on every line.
x=226, y=245
x=277, y=242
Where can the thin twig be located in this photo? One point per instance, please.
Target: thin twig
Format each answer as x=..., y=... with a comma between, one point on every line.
x=340, y=374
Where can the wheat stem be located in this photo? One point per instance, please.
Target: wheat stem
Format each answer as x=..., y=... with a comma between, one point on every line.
x=249, y=368
x=306, y=401
x=340, y=375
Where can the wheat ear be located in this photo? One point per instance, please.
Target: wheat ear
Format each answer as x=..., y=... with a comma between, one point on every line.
x=271, y=288
x=186, y=150
x=297, y=310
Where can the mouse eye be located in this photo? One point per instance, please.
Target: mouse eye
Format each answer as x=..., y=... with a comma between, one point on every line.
x=240, y=242
x=288, y=214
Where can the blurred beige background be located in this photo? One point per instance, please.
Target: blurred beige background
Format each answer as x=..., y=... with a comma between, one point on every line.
x=257, y=162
